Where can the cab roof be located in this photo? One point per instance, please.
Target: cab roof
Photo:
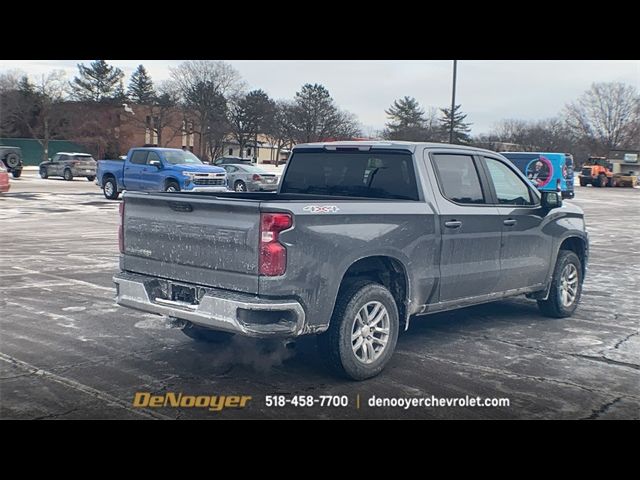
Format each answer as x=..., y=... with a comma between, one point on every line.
x=387, y=144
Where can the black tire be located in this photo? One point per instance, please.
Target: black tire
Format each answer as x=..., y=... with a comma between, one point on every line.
x=553, y=306
x=207, y=335
x=602, y=180
x=240, y=186
x=335, y=345
x=110, y=188
x=91, y=178
x=67, y=175
x=612, y=182
x=584, y=182
x=12, y=160
x=16, y=173
x=172, y=186
x=44, y=173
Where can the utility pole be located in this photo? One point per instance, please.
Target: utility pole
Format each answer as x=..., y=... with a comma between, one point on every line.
x=453, y=99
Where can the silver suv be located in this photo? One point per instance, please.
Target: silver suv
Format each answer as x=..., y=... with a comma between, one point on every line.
x=69, y=165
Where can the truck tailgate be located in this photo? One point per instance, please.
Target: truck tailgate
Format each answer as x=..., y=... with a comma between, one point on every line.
x=196, y=239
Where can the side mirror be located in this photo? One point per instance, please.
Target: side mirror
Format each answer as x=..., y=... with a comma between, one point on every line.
x=551, y=200
x=156, y=163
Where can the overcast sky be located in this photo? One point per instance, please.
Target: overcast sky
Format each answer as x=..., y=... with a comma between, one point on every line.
x=488, y=90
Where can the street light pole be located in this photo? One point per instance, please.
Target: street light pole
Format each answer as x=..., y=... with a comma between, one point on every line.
x=453, y=100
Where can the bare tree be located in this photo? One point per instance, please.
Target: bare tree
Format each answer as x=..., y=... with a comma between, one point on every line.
x=34, y=107
x=281, y=131
x=607, y=115
x=161, y=116
x=9, y=80
x=204, y=86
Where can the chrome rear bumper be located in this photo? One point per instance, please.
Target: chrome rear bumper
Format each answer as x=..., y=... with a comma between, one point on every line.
x=234, y=312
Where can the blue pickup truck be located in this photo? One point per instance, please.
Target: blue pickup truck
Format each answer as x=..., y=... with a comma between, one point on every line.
x=153, y=169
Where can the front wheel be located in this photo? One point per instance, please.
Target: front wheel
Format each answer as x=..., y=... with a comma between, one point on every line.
x=44, y=173
x=68, y=175
x=91, y=178
x=110, y=189
x=363, y=331
x=172, y=187
x=566, y=287
x=583, y=182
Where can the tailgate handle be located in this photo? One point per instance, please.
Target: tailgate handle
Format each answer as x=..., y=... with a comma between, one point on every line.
x=181, y=206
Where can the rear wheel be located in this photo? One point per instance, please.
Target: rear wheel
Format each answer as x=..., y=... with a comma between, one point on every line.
x=566, y=287
x=240, y=186
x=602, y=180
x=363, y=331
x=68, y=175
x=17, y=173
x=43, y=172
x=110, y=189
x=172, y=187
x=202, y=334
x=612, y=182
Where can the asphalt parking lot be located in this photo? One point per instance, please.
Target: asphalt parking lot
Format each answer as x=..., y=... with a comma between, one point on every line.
x=67, y=351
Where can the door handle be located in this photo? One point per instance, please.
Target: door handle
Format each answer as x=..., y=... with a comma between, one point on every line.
x=453, y=224
x=510, y=222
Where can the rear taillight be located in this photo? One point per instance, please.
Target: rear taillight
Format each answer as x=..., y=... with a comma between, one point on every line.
x=256, y=177
x=121, y=228
x=273, y=255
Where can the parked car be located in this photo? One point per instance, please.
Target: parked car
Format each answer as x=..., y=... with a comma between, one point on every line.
x=249, y=178
x=12, y=159
x=435, y=227
x=547, y=171
x=230, y=160
x=155, y=169
x=69, y=165
x=5, y=186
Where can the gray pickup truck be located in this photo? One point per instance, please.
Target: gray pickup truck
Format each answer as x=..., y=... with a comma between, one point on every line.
x=359, y=238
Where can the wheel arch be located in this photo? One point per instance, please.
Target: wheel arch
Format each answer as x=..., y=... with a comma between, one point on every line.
x=386, y=270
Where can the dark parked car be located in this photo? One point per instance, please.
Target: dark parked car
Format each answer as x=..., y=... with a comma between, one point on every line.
x=69, y=165
x=359, y=238
x=229, y=160
x=12, y=159
x=249, y=178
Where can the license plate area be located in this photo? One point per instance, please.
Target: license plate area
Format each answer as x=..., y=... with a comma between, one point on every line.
x=183, y=294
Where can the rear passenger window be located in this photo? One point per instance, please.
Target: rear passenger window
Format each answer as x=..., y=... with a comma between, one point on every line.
x=458, y=178
x=139, y=157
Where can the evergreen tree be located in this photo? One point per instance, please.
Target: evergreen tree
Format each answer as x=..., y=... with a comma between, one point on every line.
x=461, y=129
x=141, y=89
x=99, y=82
x=407, y=121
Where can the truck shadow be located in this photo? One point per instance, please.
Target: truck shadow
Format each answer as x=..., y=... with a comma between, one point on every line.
x=298, y=363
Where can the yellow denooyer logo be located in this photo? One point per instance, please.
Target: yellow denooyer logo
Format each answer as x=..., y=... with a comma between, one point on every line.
x=214, y=403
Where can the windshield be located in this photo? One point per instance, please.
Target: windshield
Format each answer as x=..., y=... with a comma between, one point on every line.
x=370, y=174
x=180, y=157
